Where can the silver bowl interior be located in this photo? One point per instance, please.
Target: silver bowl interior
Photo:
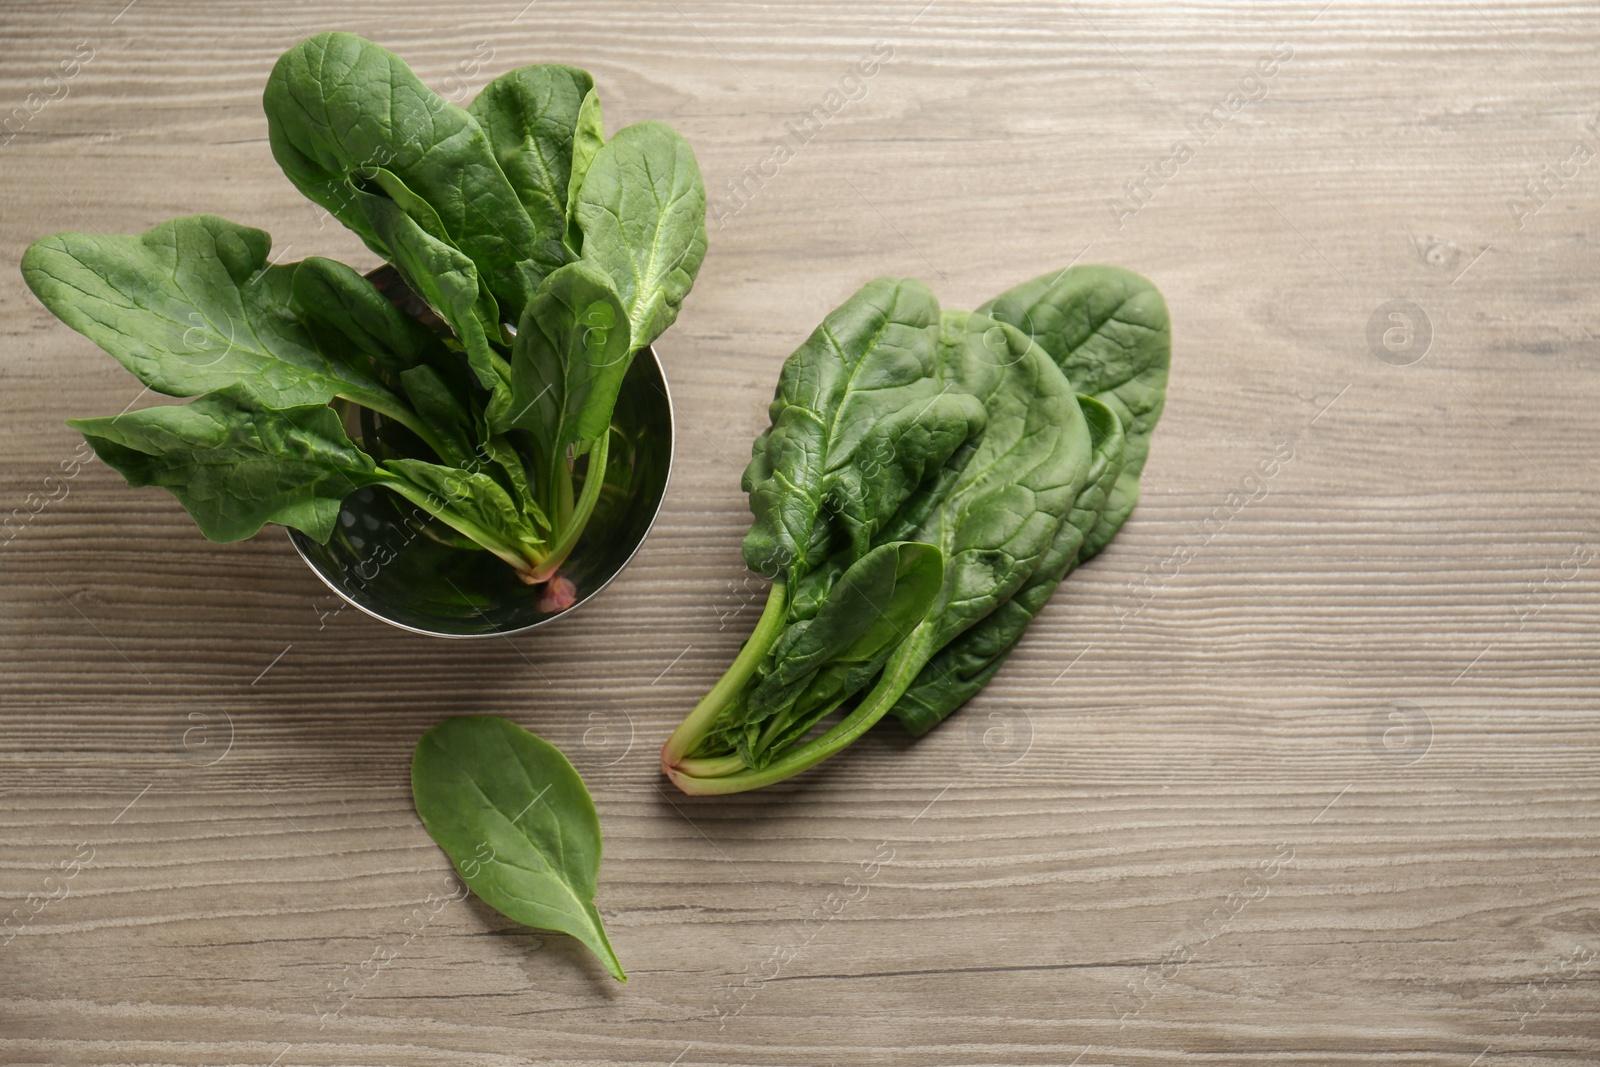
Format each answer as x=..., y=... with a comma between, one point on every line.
x=384, y=561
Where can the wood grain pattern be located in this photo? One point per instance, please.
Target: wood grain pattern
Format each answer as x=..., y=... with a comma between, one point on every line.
x=1307, y=779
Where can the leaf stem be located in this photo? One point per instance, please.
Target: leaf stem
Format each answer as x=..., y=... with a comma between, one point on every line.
x=898, y=674
x=593, y=481
x=521, y=560
x=693, y=728
x=391, y=407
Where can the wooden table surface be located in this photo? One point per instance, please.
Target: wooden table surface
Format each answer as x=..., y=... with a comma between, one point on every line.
x=1301, y=771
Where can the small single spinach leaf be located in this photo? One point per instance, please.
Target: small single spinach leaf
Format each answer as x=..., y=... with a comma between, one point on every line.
x=517, y=823
x=340, y=108
x=642, y=209
x=236, y=464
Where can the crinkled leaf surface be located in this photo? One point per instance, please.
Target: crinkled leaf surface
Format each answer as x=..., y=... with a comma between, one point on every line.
x=517, y=822
x=339, y=299
x=236, y=464
x=966, y=663
x=1108, y=330
x=192, y=306
x=532, y=116
x=997, y=520
x=339, y=108
x=865, y=410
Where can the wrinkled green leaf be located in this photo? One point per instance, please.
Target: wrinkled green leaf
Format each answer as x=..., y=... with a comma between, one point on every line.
x=534, y=118
x=446, y=412
x=966, y=663
x=191, y=306
x=446, y=279
x=864, y=411
x=1108, y=330
x=337, y=298
x=642, y=209
x=517, y=823
x=236, y=464
x=340, y=108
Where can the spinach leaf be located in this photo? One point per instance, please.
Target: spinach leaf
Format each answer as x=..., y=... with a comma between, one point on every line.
x=191, y=306
x=474, y=504
x=965, y=664
x=567, y=365
x=642, y=209
x=517, y=823
x=587, y=137
x=447, y=279
x=1108, y=330
x=535, y=122
x=236, y=464
x=341, y=111
x=439, y=405
x=864, y=411
x=334, y=297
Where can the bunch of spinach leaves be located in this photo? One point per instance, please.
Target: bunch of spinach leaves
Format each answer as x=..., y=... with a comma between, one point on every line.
x=549, y=255
x=928, y=478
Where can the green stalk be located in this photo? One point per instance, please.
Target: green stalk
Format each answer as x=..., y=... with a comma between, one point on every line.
x=520, y=559
x=593, y=482
x=692, y=730
x=391, y=407
x=898, y=674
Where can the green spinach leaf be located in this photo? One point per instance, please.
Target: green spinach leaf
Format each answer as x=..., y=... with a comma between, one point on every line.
x=864, y=412
x=191, y=306
x=535, y=122
x=336, y=298
x=587, y=138
x=517, y=823
x=236, y=464
x=1108, y=330
x=340, y=110
x=473, y=503
x=642, y=210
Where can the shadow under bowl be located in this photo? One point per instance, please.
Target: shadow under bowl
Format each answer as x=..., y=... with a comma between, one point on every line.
x=390, y=560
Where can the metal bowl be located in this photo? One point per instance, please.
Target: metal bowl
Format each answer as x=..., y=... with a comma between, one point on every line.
x=407, y=574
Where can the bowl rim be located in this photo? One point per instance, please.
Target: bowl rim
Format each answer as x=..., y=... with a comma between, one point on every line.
x=672, y=429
